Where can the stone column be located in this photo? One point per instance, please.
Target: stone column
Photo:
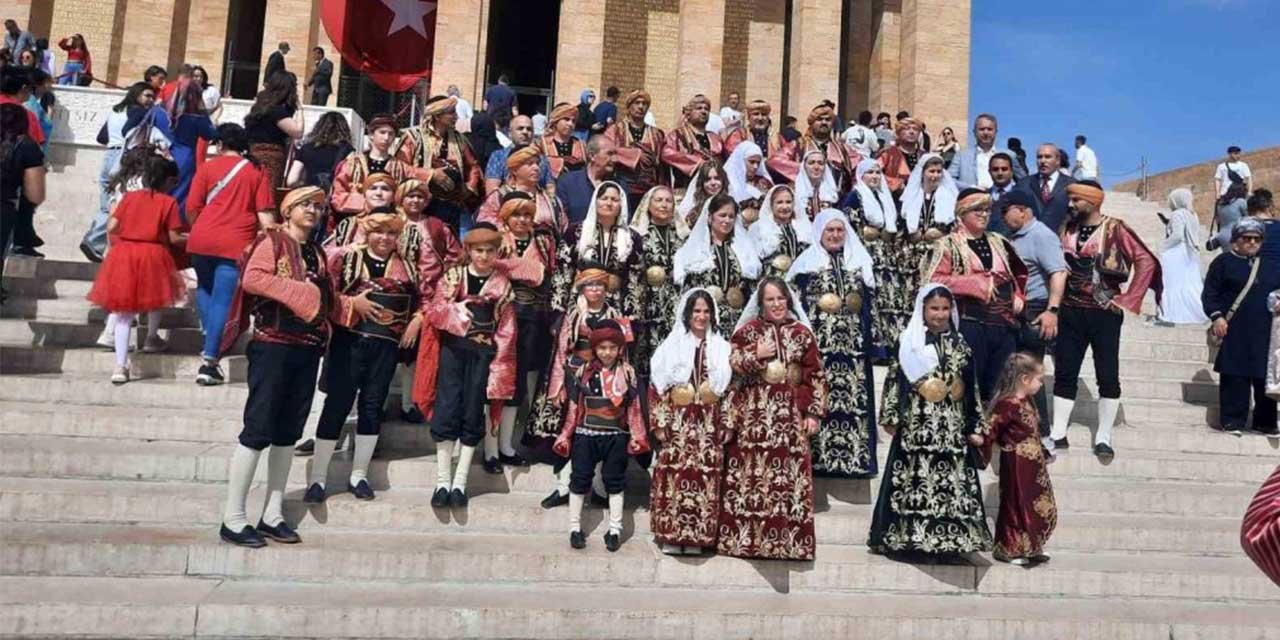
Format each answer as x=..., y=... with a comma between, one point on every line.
x=768, y=41
x=147, y=33
x=101, y=22
x=935, y=64
x=815, y=55
x=287, y=21
x=882, y=86
x=857, y=48
x=701, y=54
x=579, y=52
x=461, y=33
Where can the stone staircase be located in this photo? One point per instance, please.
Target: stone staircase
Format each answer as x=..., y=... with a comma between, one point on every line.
x=110, y=499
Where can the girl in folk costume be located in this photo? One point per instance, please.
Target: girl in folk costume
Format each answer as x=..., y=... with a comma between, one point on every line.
x=720, y=256
x=662, y=233
x=475, y=323
x=834, y=279
x=766, y=510
x=748, y=179
x=690, y=373
x=364, y=353
x=816, y=187
x=707, y=181
x=1028, y=512
x=1180, y=263
x=780, y=235
x=874, y=216
x=564, y=152
x=347, y=198
x=602, y=240
x=523, y=171
x=928, y=214
x=572, y=353
x=603, y=425
x=930, y=504
x=379, y=194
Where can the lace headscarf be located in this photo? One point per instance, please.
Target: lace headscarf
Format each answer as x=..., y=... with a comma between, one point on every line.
x=827, y=191
x=735, y=170
x=854, y=256
x=877, y=206
x=621, y=232
x=698, y=256
x=767, y=234
x=672, y=363
x=944, y=198
x=915, y=355
x=640, y=220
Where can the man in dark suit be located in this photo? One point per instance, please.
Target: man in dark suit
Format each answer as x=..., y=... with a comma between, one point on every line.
x=1048, y=187
x=321, y=81
x=275, y=62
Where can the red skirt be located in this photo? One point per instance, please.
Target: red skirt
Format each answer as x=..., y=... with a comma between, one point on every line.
x=137, y=277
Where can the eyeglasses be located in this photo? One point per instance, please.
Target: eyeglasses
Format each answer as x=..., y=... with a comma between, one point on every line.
x=1249, y=239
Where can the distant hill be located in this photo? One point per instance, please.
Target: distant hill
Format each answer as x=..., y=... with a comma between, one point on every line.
x=1265, y=164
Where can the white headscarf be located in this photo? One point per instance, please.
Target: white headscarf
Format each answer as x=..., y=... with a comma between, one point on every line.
x=880, y=212
x=854, y=256
x=915, y=355
x=944, y=199
x=752, y=309
x=672, y=363
x=1181, y=201
x=640, y=220
x=827, y=191
x=735, y=170
x=766, y=233
x=697, y=255
x=690, y=199
x=621, y=232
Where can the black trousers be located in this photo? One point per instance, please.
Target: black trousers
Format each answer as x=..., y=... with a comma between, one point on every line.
x=533, y=348
x=588, y=451
x=992, y=345
x=1029, y=341
x=1081, y=329
x=1233, y=396
x=282, y=382
x=462, y=382
x=357, y=366
x=24, y=230
x=320, y=97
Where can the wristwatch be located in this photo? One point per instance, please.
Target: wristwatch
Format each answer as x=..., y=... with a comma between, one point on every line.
x=1053, y=310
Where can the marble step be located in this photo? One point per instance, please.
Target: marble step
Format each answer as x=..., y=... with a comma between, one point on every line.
x=49, y=333
x=80, y=311
x=93, y=362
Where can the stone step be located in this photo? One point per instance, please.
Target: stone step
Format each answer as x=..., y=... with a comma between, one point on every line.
x=49, y=270
x=208, y=608
x=47, y=289
x=1167, y=370
x=93, y=362
x=1194, y=392
x=80, y=311
x=17, y=331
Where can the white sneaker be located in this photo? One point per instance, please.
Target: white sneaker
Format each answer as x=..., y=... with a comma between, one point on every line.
x=120, y=376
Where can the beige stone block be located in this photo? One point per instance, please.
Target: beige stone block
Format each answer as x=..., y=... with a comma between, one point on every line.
x=285, y=23
x=815, y=54
x=147, y=28
x=207, y=37
x=935, y=63
x=660, y=73
x=882, y=89
x=461, y=32
x=579, y=59
x=764, y=67
x=98, y=21
x=701, y=56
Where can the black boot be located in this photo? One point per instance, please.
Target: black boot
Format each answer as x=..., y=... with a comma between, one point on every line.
x=457, y=498
x=440, y=499
x=612, y=541
x=362, y=490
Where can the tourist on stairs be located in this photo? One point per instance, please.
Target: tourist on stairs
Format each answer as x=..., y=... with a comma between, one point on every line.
x=1180, y=263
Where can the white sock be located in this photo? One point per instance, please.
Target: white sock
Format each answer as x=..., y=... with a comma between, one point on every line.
x=464, y=467
x=406, y=373
x=360, y=461
x=1061, y=417
x=490, y=443
x=153, y=325
x=244, y=462
x=506, y=431
x=563, y=485
x=320, y=461
x=122, y=334
x=615, y=513
x=279, y=459
x=1107, y=410
x=575, y=511
x=444, y=457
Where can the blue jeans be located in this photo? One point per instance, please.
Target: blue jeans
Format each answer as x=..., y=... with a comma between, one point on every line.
x=96, y=236
x=71, y=73
x=217, y=279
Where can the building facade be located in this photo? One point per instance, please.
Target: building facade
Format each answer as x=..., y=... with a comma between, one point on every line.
x=882, y=55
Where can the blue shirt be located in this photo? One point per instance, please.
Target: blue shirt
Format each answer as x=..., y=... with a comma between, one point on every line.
x=1041, y=250
x=606, y=111
x=497, y=167
x=574, y=189
x=500, y=98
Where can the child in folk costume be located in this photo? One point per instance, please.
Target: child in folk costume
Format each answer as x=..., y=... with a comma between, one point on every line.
x=364, y=352
x=475, y=324
x=603, y=424
x=1028, y=512
x=689, y=374
x=138, y=274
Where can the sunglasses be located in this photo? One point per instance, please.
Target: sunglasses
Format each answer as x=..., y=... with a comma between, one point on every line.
x=1249, y=239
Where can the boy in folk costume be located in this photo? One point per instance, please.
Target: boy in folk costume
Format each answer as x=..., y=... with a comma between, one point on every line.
x=602, y=425
x=347, y=198
x=476, y=326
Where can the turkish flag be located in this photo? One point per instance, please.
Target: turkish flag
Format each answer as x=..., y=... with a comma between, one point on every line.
x=391, y=41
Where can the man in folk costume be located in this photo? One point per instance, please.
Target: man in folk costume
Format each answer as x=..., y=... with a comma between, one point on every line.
x=564, y=151
x=445, y=154
x=989, y=282
x=899, y=160
x=690, y=144
x=639, y=148
x=475, y=324
x=788, y=162
x=347, y=198
x=286, y=288
x=364, y=352
x=756, y=129
x=1102, y=252
x=523, y=167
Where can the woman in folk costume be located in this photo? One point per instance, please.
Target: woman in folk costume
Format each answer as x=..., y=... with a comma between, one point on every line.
x=523, y=171
x=564, y=152
x=748, y=179
x=1180, y=263
x=707, y=181
x=930, y=505
x=689, y=374
x=815, y=189
x=379, y=195
x=834, y=278
x=602, y=240
x=720, y=256
x=780, y=235
x=928, y=214
x=777, y=404
x=662, y=233
x=874, y=216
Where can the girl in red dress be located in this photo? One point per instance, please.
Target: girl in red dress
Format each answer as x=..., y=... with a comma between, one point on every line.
x=138, y=274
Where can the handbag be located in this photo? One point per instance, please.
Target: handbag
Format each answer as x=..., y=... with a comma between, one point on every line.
x=1214, y=342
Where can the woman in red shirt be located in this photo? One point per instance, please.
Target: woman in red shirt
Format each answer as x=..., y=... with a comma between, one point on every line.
x=78, y=60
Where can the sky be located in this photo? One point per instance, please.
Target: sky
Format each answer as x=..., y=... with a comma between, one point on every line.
x=1177, y=81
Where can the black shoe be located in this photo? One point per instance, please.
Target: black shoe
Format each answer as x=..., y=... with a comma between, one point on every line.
x=282, y=532
x=457, y=498
x=599, y=501
x=513, y=460
x=307, y=448
x=29, y=252
x=612, y=541
x=577, y=540
x=90, y=253
x=1061, y=443
x=362, y=490
x=492, y=466
x=440, y=499
x=413, y=416
x=555, y=500
x=1103, y=450
x=247, y=537
x=1272, y=432
x=315, y=494
x=210, y=376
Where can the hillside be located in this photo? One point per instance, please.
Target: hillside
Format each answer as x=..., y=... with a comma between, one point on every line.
x=1265, y=164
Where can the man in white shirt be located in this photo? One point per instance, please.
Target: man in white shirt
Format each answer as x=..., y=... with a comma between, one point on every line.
x=1086, y=165
x=730, y=113
x=1222, y=177
x=539, y=124
x=715, y=124
x=862, y=137
x=972, y=166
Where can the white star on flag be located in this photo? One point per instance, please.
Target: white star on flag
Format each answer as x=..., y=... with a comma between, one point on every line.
x=409, y=15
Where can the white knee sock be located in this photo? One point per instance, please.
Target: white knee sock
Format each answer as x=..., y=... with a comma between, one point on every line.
x=615, y=513
x=360, y=461
x=444, y=458
x=244, y=462
x=320, y=461
x=575, y=511
x=123, y=330
x=1061, y=417
x=464, y=467
x=406, y=373
x=279, y=459
x=1107, y=410
x=563, y=485
x=506, y=431
x=490, y=443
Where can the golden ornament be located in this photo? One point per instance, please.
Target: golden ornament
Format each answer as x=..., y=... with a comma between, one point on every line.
x=682, y=395
x=829, y=303
x=932, y=389
x=735, y=298
x=775, y=372
x=781, y=262
x=655, y=276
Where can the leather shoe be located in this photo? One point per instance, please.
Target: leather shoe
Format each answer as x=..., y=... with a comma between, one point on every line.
x=612, y=541
x=1103, y=450
x=280, y=533
x=315, y=494
x=305, y=448
x=246, y=537
x=577, y=540
x=513, y=460
x=457, y=498
x=90, y=253
x=413, y=416
x=362, y=490
x=555, y=500
x=1061, y=443
x=440, y=499
x=492, y=466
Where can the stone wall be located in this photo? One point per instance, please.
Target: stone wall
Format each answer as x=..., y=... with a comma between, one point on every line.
x=1264, y=163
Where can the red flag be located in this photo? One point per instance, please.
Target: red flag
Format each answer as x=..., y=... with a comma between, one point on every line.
x=389, y=40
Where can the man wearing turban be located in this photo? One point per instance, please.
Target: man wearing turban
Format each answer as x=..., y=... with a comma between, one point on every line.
x=563, y=151
x=639, y=147
x=899, y=160
x=445, y=158
x=788, y=162
x=691, y=143
x=756, y=129
x=523, y=171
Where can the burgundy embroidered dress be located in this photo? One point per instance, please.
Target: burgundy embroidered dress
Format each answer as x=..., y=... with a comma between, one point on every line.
x=1028, y=512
